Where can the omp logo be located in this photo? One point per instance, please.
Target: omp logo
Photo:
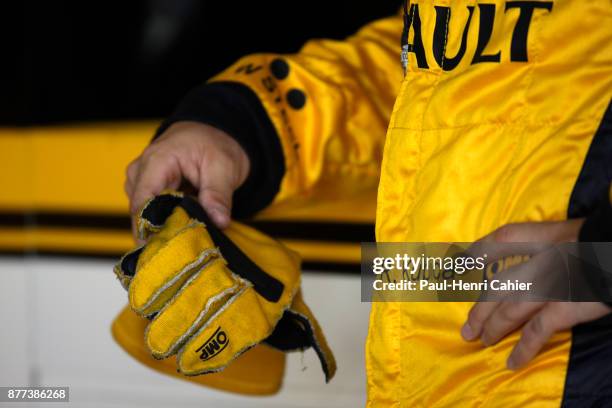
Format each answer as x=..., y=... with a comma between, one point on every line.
x=214, y=345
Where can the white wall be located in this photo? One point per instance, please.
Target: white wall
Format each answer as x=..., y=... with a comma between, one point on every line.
x=55, y=317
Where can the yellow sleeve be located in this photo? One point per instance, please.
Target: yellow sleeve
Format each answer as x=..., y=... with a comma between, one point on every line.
x=329, y=105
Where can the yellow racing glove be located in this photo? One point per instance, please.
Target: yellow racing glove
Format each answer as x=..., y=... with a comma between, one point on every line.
x=212, y=295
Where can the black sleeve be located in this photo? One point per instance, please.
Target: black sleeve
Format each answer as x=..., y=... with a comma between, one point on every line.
x=598, y=226
x=236, y=109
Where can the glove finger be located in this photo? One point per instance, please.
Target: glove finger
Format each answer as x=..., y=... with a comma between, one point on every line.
x=175, y=223
x=199, y=298
x=126, y=268
x=236, y=327
x=159, y=277
x=155, y=212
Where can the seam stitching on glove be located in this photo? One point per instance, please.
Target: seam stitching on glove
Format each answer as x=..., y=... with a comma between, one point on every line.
x=205, y=257
x=178, y=342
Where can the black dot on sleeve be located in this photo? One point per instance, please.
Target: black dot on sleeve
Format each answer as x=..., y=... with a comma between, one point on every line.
x=296, y=98
x=279, y=68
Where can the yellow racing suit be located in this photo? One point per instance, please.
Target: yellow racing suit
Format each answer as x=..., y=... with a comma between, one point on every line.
x=466, y=116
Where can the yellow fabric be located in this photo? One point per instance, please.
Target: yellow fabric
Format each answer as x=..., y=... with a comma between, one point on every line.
x=339, y=133
x=467, y=150
x=258, y=372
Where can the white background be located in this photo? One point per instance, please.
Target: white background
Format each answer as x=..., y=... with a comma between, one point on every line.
x=55, y=317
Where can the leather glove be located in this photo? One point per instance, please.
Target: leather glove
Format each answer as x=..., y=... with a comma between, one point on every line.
x=212, y=295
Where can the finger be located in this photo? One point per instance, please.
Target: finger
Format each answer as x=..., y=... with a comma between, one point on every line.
x=536, y=333
x=217, y=205
x=199, y=298
x=492, y=252
x=156, y=173
x=587, y=311
x=543, y=278
x=477, y=316
x=237, y=326
x=215, y=193
x=509, y=240
x=524, y=238
x=130, y=177
x=525, y=232
x=506, y=318
x=172, y=263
